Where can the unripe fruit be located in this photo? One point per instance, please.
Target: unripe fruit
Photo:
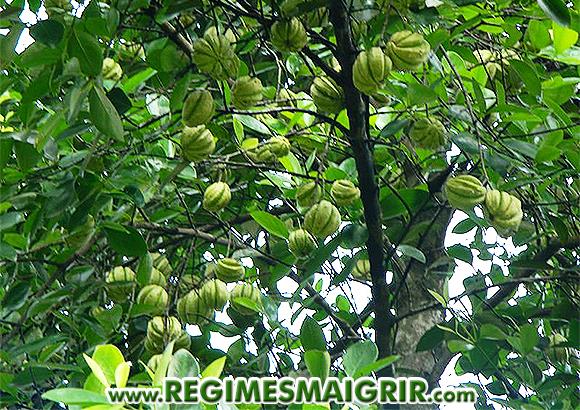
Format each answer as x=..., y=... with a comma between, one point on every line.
x=214, y=294
x=197, y=143
x=154, y=296
x=192, y=309
x=428, y=133
x=198, y=108
x=111, y=70
x=344, y=192
x=153, y=362
x=229, y=270
x=327, y=95
x=120, y=283
x=247, y=291
x=162, y=330
x=229, y=34
x=157, y=278
x=362, y=269
x=279, y=146
x=488, y=60
x=370, y=69
x=558, y=353
x=214, y=55
x=301, y=243
x=289, y=35
x=407, y=50
x=161, y=263
x=247, y=92
x=216, y=197
x=308, y=194
x=464, y=192
x=322, y=220
x=504, y=212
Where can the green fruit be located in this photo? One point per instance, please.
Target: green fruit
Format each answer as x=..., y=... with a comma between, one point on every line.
x=229, y=34
x=362, y=269
x=247, y=92
x=344, y=192
x=286, y=98
x=120, y=283
x=370, y=69
x=188, y=282
x=464, y=192
x=246, y=291
x=98, y=313
x=322, y=220
x=198, y=108
x=214, y=55
x=161, y=263
x=308, y=194
x=157, y=278
x=163, y=330
x=301, y=243
x=279, y=146
x=111, y=70
x=153, y=362
x=197, y=143
x=214, y=294
x=216, y=197
x=298, y=7
x=488, y=59
x=407, y=50
x=289, y=35
x=192, y=309
x=504, y=212
x=555, y=352
x=327, y=95
x=154, y=296
x=428, y=133
x=229, y=270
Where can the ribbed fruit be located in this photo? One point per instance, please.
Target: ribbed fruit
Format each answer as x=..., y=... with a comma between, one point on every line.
x=301, y=243
x=153, y=362
x=370, y=70
x=247, y=291
x=154, y=296
x=120, y=283
x=161, y=263
x=216, y=197
x=327, y=95
x=504, y=212
x=214, y=294
x=197, y=143
x=289, y=35
x=111, y=70
x=557, y=353
x=247, y=92
x=214, y=55
x=308, y=194
x=464, y=192
x=407, y=50
x=322, y=220
x=192, y=309
x=362, y=269
x=344, y=192
x=198, y=108
x=162, y=330
x=229, y=270
x=279, y=146
x=428, y=133
x=157, y=278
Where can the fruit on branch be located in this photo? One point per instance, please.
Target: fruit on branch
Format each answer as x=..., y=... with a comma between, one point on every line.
x=279, y=146
x=229, y=270
x=161, y=263
x=289, y=35
x=247, y=92
x=82, y=234
x=154, y=361
x=198, y=108
x=428, y=133
x=244, y=294
x=111, y=70
x=308, y=194
x=555, y=352
x=157, y=278
x=344, y=192
x=214, y=294
x=229, y=34
x=301, y=243
x=214, y=55
x=120, y=283
x=192, y=309
x=370, y=69
x=154, y=296
x=464, y=192
x=188, y=282
x=286, y=98
x=407, y=50
x=163, y=330
x=327, y=95
x=216, y=197
x=488, y=59
x=322, y=220
x=299, y=7
x=503, y=211
x=197, y=143
x=362, y=269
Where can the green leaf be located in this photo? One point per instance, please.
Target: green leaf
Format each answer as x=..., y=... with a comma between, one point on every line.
x=564, y=38
x=253, y=124
x=125, y=240
x=438, y=297
x=432, y=338
x=271, y=223
x=538, y=34
x=317, y=363
x=463, y=253
x=144, y=269
x=215, y=368
x=412, y=252
x=183, y=364
x=87, y=50
x=376, y=366
x=528, y=76
x=48, y=32
x=556, y=10
x=420, y=94
x=108, y=357
x=529, y=338
x=16, y=296
x=122, y=374
x=359, y=355
x=10, y=219
x=97, y=371
x=74, y=396
x=311, y=335
x=163, y=365
x=104, y=115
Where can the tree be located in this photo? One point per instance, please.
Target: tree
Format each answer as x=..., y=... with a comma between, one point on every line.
x=312, y=154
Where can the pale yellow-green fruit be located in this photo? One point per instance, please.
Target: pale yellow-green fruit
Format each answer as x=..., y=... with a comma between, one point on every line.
x=245, y=291
x=344, y=192
x=370, y=70
x=197, y=143
x=163, y=330
x=247, y=92
x=229, y=34
x=327, y=95
x=557, y=353
x=216, y=197
x=153, y=362
x=192, y=309
x=362, y=269
x=111, y=70
x=428, y=133
x=464, y=192
x=301, y=243
x=161, y=263
x=407, y=50
x=279, y=146
x=214, y=55
x=154, y=296
x=229, y=270
x=503, y=211
x=322, y=220
x=308, y=194
x=120, y=283
x=289, y=35
x=214, y=294
x=198, y=108
x=157, y=278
